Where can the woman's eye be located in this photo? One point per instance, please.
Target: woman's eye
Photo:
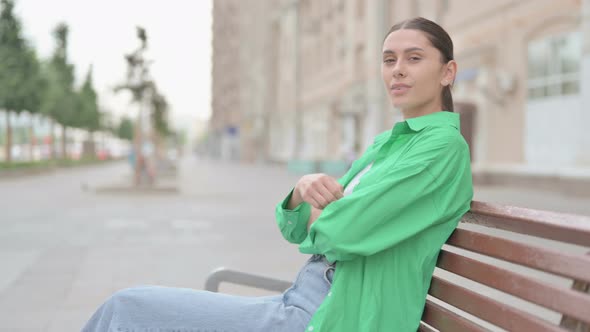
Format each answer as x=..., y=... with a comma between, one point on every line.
x=415, y=58
x=389, y=60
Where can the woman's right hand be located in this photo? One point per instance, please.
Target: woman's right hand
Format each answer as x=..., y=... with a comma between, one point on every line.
x=319, y=190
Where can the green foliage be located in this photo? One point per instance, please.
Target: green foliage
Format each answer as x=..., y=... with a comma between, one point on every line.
x=26, y=84
x=35, y=85
x=60, y=100
x=88, y=107
x=20, y=81
x=125, y=129
x=12, y=54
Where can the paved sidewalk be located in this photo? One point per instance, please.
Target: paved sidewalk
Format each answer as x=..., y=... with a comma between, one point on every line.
x=64, y=248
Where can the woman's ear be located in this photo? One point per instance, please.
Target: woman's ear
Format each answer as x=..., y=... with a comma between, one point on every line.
x=449, y=72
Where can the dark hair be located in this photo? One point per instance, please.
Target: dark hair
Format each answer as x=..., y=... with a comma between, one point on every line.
x=440, y=39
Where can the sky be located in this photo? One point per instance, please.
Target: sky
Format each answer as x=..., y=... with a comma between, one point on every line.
x=102, y=32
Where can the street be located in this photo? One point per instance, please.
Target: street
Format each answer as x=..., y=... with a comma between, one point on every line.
x=65, y=247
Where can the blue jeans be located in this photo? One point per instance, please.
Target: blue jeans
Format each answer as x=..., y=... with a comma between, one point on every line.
x=163, y=309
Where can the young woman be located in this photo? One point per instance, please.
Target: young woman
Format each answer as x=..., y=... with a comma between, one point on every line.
x=374, y=234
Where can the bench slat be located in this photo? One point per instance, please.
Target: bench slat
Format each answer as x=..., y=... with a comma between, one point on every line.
x=445, y=320
x=570, y=323
x=550, y=225
x=563, y=264
x=425, y=328
x=565, y=301
x=499, y=314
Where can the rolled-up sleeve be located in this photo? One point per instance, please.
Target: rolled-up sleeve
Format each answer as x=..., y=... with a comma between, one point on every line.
x=401, y=204
x=293, y=223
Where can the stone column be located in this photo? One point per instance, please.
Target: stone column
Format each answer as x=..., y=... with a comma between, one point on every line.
x=584, y=146
x=378, y=108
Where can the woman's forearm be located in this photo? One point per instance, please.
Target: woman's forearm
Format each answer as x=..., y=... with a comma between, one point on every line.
x=295, y=200
x=315, y=213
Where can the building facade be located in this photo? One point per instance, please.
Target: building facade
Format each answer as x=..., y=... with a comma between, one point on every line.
x=314, y=91
x=521, y=65
x=225, y=98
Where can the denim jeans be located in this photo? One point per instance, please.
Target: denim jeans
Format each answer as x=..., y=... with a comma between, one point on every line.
x=163, y=309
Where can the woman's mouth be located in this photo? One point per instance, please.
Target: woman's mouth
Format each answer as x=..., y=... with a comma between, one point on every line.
x=399, y=89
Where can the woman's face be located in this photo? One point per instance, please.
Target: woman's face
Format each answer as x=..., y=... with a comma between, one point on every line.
x=413, y=72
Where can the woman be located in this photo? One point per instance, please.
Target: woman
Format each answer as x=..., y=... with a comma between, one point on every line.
x=374, y=234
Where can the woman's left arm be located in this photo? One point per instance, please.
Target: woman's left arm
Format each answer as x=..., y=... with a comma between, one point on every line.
x=432, y=185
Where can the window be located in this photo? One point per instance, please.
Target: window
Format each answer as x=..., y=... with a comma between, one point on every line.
x=554, y=66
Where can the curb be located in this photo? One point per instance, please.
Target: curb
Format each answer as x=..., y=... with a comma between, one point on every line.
x=129, y=189
x=567, y=185
x=42, y=170
x=17, y=173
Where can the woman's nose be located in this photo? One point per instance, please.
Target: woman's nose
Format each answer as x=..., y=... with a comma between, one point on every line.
x=398, y=70
x=399, y=74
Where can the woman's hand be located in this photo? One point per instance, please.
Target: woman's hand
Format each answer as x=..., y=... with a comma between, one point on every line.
x=319, y=190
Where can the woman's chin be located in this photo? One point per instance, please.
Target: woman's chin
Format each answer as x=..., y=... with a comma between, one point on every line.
x=397, y=103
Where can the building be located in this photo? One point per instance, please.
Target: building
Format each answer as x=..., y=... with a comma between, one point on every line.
x=242, y=90
x=226, y=82
x=521, y=71
x=297, y=102
x=523, y=86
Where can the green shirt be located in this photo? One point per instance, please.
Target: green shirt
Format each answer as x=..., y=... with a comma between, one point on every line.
x=386, y=235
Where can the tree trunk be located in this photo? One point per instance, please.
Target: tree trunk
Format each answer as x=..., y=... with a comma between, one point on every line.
x=89, y=147
x=32, y=140
x=8, y=138
x=52, y=138
x=64, y=142
x=158, y=151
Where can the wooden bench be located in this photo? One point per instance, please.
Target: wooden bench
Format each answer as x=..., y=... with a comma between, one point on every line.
x=490, y=256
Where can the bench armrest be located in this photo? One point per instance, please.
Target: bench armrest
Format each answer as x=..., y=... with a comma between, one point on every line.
x=222, y=274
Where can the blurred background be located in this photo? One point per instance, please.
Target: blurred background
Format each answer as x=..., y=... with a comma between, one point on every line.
x=306, y=85
x=148, y=143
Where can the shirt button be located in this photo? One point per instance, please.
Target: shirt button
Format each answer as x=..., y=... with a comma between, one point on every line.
x=330, y=294
x=289, y=222
x=310, y=328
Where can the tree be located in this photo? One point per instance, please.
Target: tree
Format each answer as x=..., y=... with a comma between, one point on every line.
x=35, y=87
x=125, y=129
x=89, y=115
x=60, y=101
x=140, y=85
x=106, y=122
x=137, y=70
x=20, y=82
x=159, y=113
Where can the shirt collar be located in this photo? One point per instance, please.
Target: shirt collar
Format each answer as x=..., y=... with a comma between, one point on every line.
x=436, y=119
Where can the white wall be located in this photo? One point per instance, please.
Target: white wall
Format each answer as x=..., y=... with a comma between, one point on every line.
x=553, y=134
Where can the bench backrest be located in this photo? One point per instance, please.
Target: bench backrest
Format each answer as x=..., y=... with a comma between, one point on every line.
x=572, y=304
